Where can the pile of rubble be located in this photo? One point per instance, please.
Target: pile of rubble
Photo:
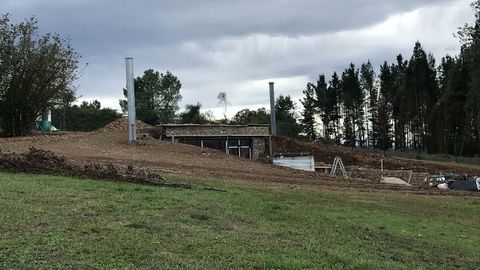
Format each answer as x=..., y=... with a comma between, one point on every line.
x=121, y=124
x=453, y=181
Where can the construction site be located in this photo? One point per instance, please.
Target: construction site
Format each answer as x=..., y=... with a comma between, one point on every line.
x=185, y=156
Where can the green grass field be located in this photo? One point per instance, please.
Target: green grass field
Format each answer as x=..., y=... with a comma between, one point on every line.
x=65, y=223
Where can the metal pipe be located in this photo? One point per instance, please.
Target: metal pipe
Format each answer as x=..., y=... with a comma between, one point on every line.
x=273, y=123
x=132, y=119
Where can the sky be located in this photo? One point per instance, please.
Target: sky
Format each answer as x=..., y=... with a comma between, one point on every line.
x=238, y=47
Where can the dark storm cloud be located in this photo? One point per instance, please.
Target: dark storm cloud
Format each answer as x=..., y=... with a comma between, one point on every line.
x=237, y=46
x=109, y=25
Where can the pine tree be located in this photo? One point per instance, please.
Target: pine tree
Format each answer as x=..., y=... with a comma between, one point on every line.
x=285, y=111
x=383, y=128
x=367, y=82
x=309, y=110
x=398, y=102
x=353, y=101
x=421, y=81
x=334, y=105
x=470, y=37
x=323, y=106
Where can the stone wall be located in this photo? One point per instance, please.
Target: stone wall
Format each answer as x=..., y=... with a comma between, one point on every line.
x=259, y=148
x=214, y=130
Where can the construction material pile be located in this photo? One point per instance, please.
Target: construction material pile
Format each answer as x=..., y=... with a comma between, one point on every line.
x=453, y=181
x=121, y=124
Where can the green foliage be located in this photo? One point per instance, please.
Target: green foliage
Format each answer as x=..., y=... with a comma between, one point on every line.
x=65, y=223
x=411, y=105
x=367, y=82
x=86, y=117
x=156, y=97
x=353, y=101
x=382, y=127
x=422, y=90
x=470, y=36
x=246, y=117
x=309, y=112
x=285, y=111
x=36, y=72
x=323, y=104
x=193, y=115
x=286, y=117
x=399, y=100
x=333, y=107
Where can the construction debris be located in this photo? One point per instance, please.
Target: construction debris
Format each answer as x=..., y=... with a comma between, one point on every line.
x=453, y=181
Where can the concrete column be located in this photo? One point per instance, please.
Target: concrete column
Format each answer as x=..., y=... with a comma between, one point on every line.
x=273, y=120
x=132, y=119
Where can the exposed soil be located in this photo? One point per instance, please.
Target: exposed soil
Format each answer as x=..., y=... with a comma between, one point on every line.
x=110, y=146
x=326, y=153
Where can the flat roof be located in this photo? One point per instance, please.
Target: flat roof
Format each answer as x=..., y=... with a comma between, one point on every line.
x=212, y=125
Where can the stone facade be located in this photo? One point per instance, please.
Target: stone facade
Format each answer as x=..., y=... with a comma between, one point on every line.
x=259, y=148
x=215, y=130
x=253, y=137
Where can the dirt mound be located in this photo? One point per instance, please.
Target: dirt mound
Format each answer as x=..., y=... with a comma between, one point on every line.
x=321, y=152
x=46, y=162
x=34, y=161
x=351, y=157
x=121, y=124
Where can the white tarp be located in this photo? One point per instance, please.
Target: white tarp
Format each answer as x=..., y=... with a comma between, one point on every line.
x=305, y=163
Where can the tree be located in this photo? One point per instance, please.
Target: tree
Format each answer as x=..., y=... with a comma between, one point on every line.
x=156, y=97
x=309, y=111
x=421, y=81
x=84, y=117
x=399, y=101
x=286, y=117
x=353, y=100
x=383, y=127
x=193, y=115
x=367, y=82
x=246, y=117
x=333, y=106
x=470, y=52
x=36, y=72
x=452, y=119
x=322, y=105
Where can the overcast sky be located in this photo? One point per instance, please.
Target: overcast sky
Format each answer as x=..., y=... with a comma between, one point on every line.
x=239, y=46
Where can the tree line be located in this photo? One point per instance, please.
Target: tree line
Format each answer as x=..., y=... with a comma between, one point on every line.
x=412, y=104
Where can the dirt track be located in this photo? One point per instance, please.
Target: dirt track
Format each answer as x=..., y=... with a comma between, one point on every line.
x=183, y=160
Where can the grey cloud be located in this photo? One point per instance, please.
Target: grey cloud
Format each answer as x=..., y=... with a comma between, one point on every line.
x=218, y=45
x=95, y=25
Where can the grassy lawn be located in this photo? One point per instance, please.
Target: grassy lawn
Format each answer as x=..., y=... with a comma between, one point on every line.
x=58, y=222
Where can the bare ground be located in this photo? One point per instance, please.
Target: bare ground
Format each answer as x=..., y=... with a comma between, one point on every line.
x=351, y=157
x=169, y=159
